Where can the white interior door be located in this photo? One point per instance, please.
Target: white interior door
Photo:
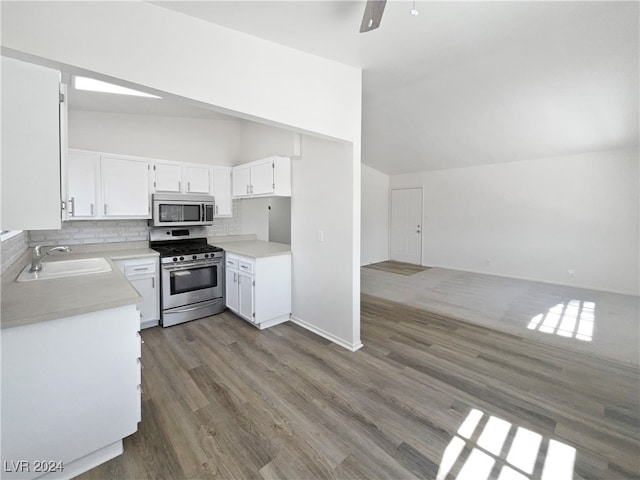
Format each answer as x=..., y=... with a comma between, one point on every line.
x=406, y=225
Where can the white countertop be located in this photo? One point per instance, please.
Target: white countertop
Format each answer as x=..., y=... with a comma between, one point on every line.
x=254, y=248
x=41, y=300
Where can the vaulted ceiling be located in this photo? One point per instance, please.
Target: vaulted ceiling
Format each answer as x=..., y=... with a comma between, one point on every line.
x=468, y=83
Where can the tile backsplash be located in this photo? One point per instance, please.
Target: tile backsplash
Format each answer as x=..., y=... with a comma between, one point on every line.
x=101, y=231
x=12, y=249
x=91, y=231
x=109, y=231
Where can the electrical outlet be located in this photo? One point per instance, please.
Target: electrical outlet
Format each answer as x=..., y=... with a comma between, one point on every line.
x=571, y=272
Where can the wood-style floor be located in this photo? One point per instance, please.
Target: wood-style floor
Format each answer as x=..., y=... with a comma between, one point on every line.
x=426, y=397
x=400, y=268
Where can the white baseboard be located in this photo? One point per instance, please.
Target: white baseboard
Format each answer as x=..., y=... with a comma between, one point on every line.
x=329, y=336
x=272, y=322
x=149, y=324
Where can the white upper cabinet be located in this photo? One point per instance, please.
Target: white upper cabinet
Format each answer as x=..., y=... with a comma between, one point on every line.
x=267, y=177
x=197, y=179
x=108, y=186
x=221, y=190
x=83, y=184
x=168, y=176
x=262, y=178
x=125, y=187
x=31, y=108
x=178, y=177
x=241, y=181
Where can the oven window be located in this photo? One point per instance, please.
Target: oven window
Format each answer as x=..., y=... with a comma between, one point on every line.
x=191, y=213
x=183, y=281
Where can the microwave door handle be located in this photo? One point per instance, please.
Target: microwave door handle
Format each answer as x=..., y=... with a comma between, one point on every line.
x=202, y=212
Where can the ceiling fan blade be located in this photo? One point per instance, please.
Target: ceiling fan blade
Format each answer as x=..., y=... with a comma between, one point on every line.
x=372, y=15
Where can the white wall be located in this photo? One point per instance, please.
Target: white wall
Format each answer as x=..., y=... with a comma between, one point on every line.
x=324, y=294
x=259, y=141
x=375, y=216
x=537, y=219
x=198, y=140
x=254, y=217
x=148, y=45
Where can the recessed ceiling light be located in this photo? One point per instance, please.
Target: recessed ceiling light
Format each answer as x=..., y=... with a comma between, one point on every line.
x=92, y=85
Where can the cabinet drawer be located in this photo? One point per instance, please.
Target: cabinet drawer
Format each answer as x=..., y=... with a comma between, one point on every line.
x=140, y=269
x=245, y=266
x=232, y=262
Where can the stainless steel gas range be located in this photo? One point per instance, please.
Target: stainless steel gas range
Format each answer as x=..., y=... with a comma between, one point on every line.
x=192, y=276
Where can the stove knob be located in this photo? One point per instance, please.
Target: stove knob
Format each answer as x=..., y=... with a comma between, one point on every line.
x=206, y=255
x=194, y=257
x=181, y=258
x=175, y=259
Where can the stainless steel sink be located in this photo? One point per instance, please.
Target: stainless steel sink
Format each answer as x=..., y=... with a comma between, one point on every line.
x=66, y=268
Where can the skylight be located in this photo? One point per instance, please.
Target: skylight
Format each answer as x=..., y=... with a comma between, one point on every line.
x=89, y=84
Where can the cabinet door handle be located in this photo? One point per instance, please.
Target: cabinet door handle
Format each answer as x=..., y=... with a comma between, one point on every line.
x=105, y=208
x=235, y=279
x=247, y=189
x=153, y=282
x=179, y=186
x=92, y=209
x=72, y=201
x=188, y=186
x=251, y=188
x=140, y=269
x=216, y=209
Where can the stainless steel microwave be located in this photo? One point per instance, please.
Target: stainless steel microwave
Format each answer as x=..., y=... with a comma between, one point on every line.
x=177, y=210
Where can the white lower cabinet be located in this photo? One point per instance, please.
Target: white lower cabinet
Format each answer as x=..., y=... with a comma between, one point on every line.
x=70, y=392
x=143, y=275
x=245, y=297
x=259, y=289
x=232, y=299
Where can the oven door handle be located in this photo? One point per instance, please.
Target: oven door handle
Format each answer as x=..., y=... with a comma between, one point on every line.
x=197, y=307
x=191, y=266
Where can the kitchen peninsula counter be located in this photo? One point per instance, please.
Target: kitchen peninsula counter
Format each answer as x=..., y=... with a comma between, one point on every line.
x=252, y=248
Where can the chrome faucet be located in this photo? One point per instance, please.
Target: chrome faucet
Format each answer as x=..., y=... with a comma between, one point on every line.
x=61, y=248
x=36, y=259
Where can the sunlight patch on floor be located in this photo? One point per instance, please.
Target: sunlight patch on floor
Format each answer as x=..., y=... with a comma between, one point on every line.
x=485, y=444
x=571, y=319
